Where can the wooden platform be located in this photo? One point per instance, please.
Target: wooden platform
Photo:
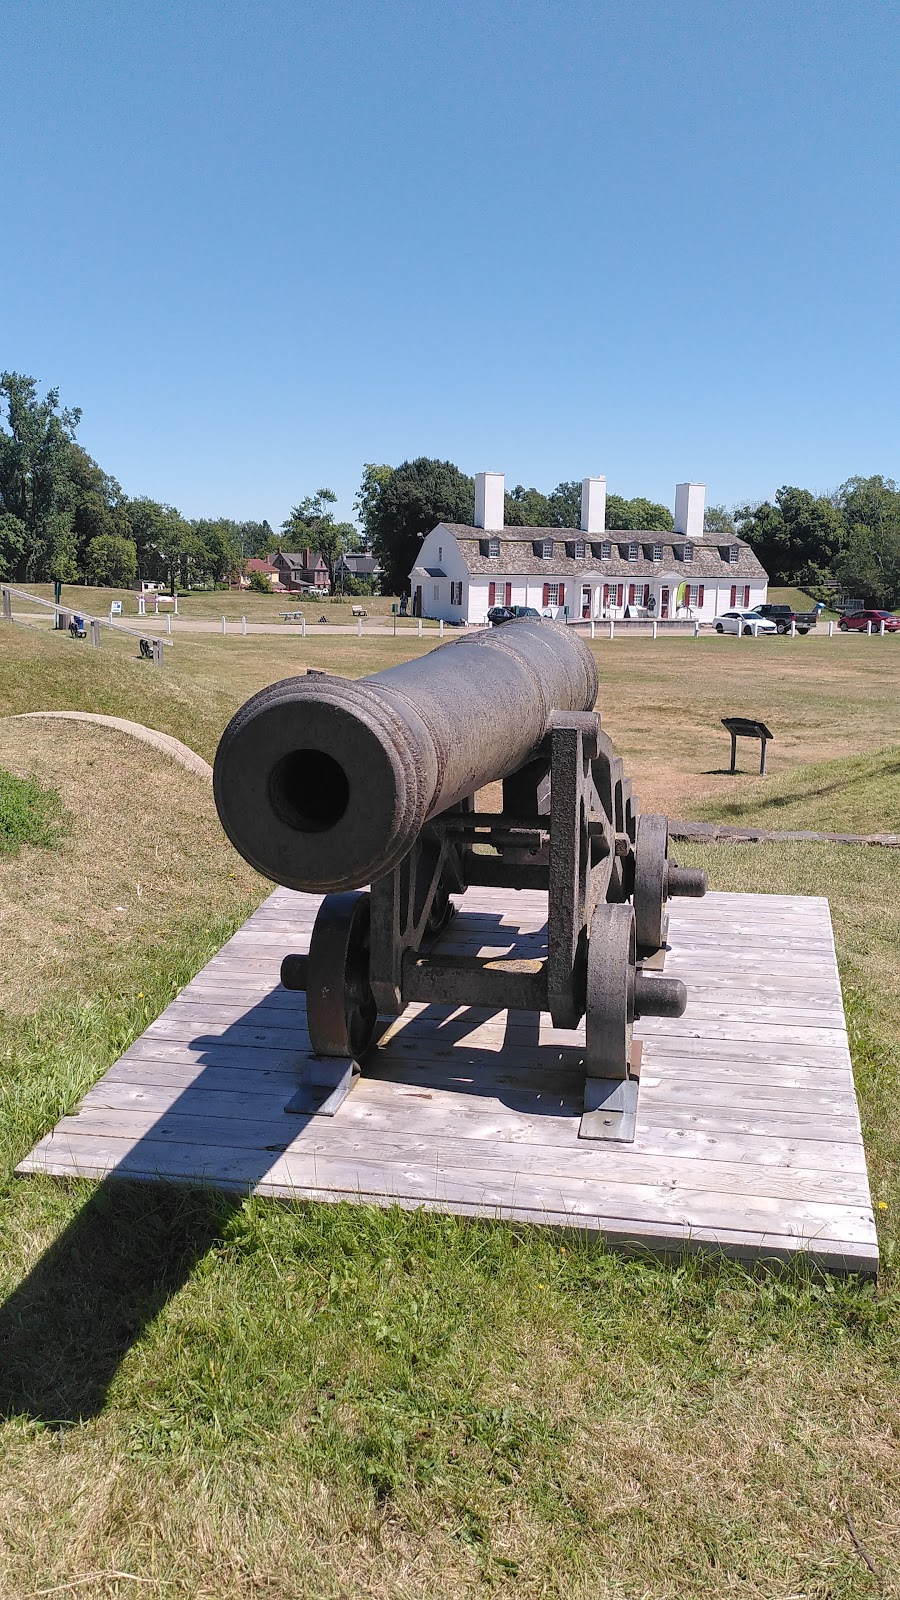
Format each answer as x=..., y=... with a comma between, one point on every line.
x=748, y=1136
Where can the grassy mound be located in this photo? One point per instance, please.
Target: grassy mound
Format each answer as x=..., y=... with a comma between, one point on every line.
x=855, y=794
x=29, y=814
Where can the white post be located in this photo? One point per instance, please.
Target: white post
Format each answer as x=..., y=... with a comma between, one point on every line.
x=696, y=629
x=95, y=633
x=142, y=609
x=168, y=622
x=869, y=627
x=653, y=627
x=420, y=627
x=243, y=627
x=831, y=630
x=441, y=628
x=612, y=627
x=359, y=627
x=881, y=627
x=303, y=627
x=592, y=627
x=223, y=624
x=793, y=629
x=175, y=598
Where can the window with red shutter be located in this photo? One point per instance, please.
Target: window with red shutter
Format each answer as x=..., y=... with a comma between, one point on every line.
x=546, y=594
x=631, y=594
x=508, y=593
x=492, y=594
x=733, y=600
x=562, y=594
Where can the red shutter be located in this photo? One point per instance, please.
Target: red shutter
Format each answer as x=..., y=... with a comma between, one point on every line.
x=546, y=594
x=492, y=594
x=620, y=593
x=606, y=594
x=508, y=600
x=631, y=594
x=746, y=594
x=700, y=596
x=733, y=600
x=562, y=594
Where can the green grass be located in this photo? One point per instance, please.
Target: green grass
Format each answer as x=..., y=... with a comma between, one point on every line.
x=859, y=794
x=30, y=813
x=236, y=1400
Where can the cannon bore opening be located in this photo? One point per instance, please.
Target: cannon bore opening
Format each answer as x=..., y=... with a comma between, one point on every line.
x=309, y=790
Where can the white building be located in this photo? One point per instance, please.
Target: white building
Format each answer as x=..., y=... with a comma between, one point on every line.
x=587, y=572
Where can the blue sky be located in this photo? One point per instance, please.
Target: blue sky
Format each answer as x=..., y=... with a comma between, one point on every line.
x=262, y=244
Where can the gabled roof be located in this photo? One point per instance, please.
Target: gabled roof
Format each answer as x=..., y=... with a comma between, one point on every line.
x=520, y=552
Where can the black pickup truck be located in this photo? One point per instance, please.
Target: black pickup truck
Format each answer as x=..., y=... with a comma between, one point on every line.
x=783, y=616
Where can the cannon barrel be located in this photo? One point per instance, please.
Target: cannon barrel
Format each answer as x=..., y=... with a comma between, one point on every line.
x=322, y=783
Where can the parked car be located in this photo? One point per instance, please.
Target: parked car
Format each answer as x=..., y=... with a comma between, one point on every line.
x=740, y=619
x=498, y=614
x=861, y=619
x=783, y=616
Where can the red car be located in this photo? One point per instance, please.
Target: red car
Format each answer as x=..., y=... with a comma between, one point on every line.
x=861, y=620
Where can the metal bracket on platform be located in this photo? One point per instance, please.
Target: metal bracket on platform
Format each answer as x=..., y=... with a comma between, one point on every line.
x=610, y=1104
x=324, y=1086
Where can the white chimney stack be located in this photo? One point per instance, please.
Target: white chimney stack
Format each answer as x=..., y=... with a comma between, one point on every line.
x=489, y=492
x=689, y=502
x=593, y=505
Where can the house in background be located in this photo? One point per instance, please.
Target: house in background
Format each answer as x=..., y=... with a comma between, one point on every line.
x=583, y=573
x=257, y=564
x=301, y=569
x=356, y=564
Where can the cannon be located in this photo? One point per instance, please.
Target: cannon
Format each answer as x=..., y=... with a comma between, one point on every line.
x=329, y=785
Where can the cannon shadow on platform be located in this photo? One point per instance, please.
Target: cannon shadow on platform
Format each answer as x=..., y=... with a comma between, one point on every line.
x=71, y=1321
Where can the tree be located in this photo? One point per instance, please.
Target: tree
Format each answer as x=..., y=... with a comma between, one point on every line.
x=259, y=583
x=13, y=536
x=797, y=538
x=640, y=515
x=365, y=505
x=98, y=504
x=311, y=524
x=165, y=541
x=528, y=508
x=35, y=481
x=111, y=561
x=718, y=519
x=399, y=508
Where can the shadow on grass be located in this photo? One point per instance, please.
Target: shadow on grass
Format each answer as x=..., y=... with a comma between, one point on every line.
x=777, y=802
x=70, y=1323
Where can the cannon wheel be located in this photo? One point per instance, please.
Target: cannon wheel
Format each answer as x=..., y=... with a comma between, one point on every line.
x=340, y=1007
x=609, y=997
x=650, y=868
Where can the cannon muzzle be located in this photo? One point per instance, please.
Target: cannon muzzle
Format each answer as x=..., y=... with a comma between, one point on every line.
x=323, y=783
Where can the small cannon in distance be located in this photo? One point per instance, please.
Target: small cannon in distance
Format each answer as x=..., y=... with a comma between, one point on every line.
x=328, y=784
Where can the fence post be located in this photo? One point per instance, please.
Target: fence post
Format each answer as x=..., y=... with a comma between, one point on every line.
x=612, y=627
x=142, y=608
x=359, y=627
x=223, y=624
x=696, y=629
x=869, y=627
x=420, y=627
x=95, y=633
x=168, y=622
x=793, y=629
x=7, y=606
x=592, y=627
x=157, y=652
x=441, y=628
x=175, y=598
x=653, y=628
x=244, y=627
x=881, y=628
x=831, y=630
x=303, y=627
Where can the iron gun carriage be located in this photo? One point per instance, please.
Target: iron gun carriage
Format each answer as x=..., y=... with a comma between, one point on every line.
x=328, y=784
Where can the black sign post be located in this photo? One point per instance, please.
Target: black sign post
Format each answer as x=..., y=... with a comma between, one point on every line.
x=746, y=728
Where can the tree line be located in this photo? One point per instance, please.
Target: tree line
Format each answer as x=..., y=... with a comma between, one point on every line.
x=63, y=517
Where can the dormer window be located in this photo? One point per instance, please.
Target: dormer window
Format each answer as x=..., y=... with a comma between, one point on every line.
x=734, y=553
x=657, y=552
x=579, y=549
x=606, y=550
x=547, y=549
x=633, y=550
x=688, y=551
x=493, y=547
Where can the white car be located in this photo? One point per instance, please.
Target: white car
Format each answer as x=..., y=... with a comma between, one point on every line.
x=740, y=619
